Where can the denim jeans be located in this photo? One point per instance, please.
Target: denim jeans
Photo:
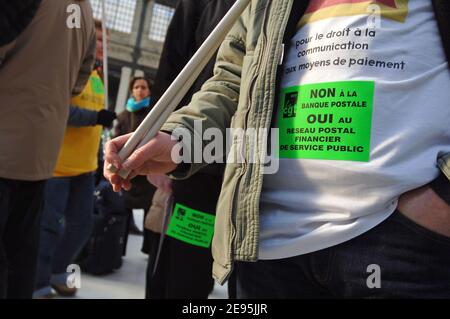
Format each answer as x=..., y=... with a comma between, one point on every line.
x=67, y=223
x=396, y=259
x=21, y=206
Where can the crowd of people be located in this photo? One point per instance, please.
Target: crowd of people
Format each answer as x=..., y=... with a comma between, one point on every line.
x=355, y=187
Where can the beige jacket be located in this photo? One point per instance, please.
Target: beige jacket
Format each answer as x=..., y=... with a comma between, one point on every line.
x=155, y=218
x=39, y=72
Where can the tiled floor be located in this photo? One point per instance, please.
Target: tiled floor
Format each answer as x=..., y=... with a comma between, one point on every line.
x=126, y=283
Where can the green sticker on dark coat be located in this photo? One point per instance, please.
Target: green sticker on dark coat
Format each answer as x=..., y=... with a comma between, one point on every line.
x=191, y=226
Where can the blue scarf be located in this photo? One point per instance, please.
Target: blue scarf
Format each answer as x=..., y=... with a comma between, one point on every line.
x=133, y=106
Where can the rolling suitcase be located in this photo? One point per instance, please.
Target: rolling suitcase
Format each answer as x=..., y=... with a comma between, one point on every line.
x=103, y=252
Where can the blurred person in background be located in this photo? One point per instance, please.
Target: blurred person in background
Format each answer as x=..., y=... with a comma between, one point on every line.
x=67, y=219
x=34, y=97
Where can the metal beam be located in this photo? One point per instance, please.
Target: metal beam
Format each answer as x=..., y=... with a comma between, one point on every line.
x=137, y=48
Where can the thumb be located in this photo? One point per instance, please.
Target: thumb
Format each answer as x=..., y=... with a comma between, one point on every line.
x=157, y=150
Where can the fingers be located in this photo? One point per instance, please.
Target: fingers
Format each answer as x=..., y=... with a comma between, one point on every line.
x=140, y=156
x=114, y=179
x=121, y=183
x=157, y=150
x=152, y=158
x=112, y=149
x=112, y=158
x=116, y=182
x=126, y=184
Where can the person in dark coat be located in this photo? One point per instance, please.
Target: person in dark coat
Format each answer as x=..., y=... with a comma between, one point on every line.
x=43, y=63
x=192, y=23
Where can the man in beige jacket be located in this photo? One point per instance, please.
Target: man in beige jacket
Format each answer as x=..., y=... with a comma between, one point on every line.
x=46, y=56
x=322, y=226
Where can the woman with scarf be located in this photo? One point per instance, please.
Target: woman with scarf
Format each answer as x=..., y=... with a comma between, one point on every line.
x=137, y=108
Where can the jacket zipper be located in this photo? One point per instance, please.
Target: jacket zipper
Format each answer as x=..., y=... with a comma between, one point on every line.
x=236, y=199
x=264, y=59
x=254, y=79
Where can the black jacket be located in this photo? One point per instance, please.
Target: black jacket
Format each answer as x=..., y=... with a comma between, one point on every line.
x=191, y=24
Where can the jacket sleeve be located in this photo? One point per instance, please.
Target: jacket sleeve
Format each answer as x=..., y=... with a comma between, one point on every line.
x=215, y=104
x=86, y=66
x=79, y=117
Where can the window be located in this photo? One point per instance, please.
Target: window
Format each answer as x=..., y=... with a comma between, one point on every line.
x=119, y=13
x=161, y=17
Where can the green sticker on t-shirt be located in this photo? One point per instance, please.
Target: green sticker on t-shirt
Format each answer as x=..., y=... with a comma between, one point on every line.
x=191, y=226
x=328, y=121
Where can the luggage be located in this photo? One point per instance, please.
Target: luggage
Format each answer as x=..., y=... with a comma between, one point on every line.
x=103, y=252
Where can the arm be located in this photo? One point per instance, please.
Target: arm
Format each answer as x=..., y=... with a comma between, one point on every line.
x=79, y=117
x=213, y=106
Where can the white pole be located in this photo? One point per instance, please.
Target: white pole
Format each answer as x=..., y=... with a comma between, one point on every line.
x=105, y=55
x=172, y=97
x=123, y=92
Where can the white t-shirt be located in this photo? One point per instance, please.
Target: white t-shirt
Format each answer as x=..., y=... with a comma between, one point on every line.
x=363, y=116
